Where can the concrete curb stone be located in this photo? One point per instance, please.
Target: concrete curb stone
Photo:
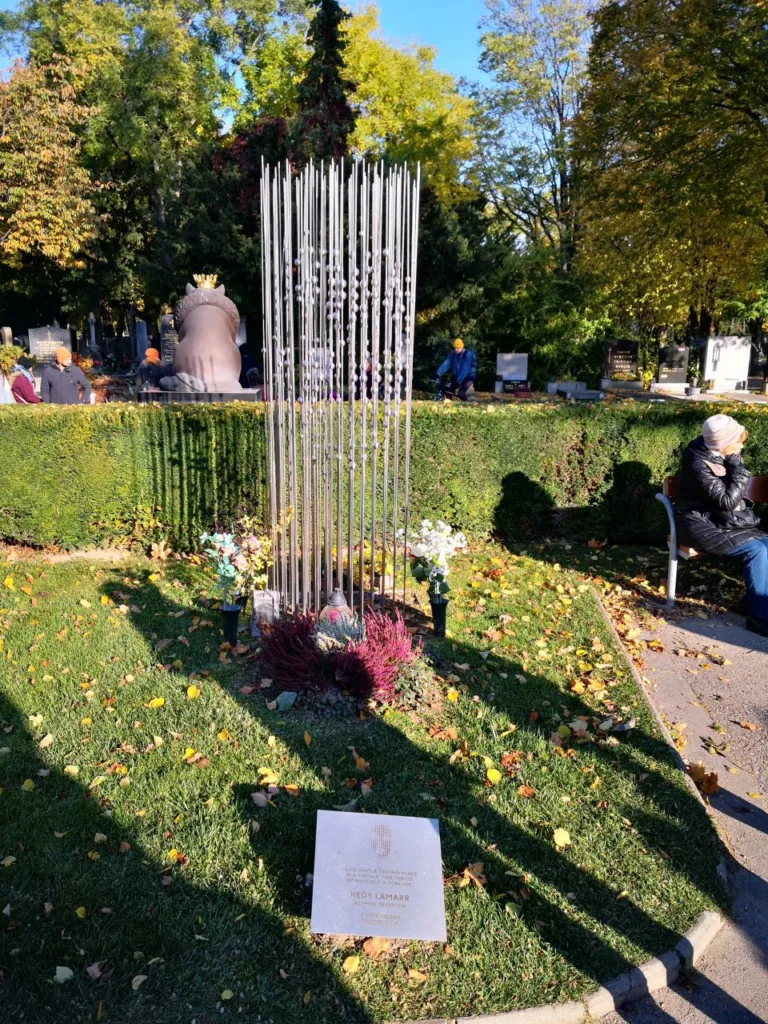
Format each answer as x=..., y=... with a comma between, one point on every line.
x=696, y=940
x=557, y=1013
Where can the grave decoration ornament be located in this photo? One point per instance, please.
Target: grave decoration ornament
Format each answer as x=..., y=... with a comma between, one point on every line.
x=339, y=248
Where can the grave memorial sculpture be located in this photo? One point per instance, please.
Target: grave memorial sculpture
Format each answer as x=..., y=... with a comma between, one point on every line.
x=339, y=247
x=206, y=359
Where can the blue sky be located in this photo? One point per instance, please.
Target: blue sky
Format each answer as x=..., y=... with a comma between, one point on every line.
x=449, y=25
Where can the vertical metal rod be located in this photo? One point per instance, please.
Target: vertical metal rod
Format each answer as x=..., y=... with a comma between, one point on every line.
x=410, y=326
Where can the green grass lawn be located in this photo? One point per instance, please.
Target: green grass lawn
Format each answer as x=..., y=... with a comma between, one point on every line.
x=99, y=787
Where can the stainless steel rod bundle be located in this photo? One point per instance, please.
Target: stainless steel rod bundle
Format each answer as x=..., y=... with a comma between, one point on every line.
x=339, y=252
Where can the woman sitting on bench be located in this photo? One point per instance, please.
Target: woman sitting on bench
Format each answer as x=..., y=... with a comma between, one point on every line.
x=713, y=516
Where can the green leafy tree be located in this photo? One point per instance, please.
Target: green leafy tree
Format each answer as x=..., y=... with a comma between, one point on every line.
x=46, y=206
x=536, y=53
x=325, y=119
x=674, y=142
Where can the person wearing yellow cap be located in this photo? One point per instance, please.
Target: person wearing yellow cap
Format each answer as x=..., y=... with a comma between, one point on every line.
x=713, y=515
x=62, y=383
x=461, y=366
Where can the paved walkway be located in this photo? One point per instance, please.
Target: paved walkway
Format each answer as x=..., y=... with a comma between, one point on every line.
x=730, y=985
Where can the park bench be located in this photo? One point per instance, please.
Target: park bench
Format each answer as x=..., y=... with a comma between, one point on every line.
x=758, y=491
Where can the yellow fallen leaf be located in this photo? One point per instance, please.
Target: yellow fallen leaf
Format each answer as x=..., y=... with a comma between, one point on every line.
x=97, y=781
x=351, y=965
x=86, y=721
x=452, y=695
x=227, y=994
x=272, y=741
x=104, y=599
x=307, y=739
x=561, y=838
x=7, y=861
x=222, y=735
x=46, y=741
x=755, y=796
x=156, y=702
x=306, y=997
x=493, y=775
x=27, y=785
x=374, y=947
x=81, y=912
x=8, y=582
x=415, y=975
x=292, y=790
x=192, y=692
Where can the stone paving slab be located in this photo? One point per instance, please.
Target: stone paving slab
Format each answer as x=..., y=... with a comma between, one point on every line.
x=730, y=982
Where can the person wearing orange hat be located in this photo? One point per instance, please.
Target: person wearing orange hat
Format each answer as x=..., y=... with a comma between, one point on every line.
x=150, y=370
x=62, y=383
x=461, y=366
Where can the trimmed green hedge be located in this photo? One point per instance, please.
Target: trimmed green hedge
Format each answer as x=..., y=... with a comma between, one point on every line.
x=78, y=477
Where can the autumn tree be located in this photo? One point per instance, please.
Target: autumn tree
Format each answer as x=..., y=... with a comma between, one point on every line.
x=46, y=206
x=536, y=54
x=674, y=139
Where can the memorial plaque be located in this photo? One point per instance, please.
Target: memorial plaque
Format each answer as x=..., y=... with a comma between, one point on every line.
x=43, y=342
x=378, y=875
x=6, y=337
x=621, y=359
x=673, y=365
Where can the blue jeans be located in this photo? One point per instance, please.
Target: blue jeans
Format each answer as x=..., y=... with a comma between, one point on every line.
x=754, y=566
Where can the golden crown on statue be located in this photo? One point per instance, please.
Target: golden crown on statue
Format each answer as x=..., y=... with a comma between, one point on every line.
x=205, y=280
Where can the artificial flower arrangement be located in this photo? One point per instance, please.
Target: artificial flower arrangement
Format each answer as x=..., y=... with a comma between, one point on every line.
x=239, y=562
x=430, y=549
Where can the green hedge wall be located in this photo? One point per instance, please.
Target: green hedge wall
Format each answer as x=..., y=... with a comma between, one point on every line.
x=83, y=476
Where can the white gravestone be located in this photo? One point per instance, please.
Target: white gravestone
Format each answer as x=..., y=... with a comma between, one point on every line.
x=726, y=362
x=378, y=875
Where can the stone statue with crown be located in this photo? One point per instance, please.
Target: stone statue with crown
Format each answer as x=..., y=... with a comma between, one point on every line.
x=207, y=359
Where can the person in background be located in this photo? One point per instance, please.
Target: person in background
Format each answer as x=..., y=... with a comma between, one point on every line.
x=64, y=384
x=150, y=370
x=461, y=365
x=23, y=385
x=714, y=516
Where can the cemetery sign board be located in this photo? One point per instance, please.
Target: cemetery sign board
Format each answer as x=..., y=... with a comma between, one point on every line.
x=378, y=875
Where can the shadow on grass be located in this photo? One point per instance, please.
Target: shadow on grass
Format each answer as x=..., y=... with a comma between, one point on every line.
x=570, y=930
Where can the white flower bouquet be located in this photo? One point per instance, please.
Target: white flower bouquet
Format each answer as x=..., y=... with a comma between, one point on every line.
x=430, y=549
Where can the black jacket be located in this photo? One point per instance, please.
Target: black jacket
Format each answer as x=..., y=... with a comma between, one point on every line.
x=62, y=386
x=710, y=485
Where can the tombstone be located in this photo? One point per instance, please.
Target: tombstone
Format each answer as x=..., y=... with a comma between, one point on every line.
x=673, y=366
x=378, y=875
x=511, y=372
x=6, y=337
x=169, y=338
x=43, y=342
x=141, y=340
x=726, y=362
x=620, y=367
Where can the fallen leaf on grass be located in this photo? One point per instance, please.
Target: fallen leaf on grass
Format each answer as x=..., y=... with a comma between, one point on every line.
x=562, y=838
x=193, y=692
x=526, y=791
x=46, y=741
x=93, y=971
x=162, y=644
x=6, y=862
x=81, y=912
x=63, y=974
x=360, y=763
x=260, y=799
x=452, y=695
x=307, y=739
x=227, y=994
x=292, y=790
x=35, y=721
x=473, y=874
x=138, y=981
x=222, y=735
x=415, y=975
x=156, y=702
x=351, y=965
x=375, y=947
x=27, y=785
x=493, y=775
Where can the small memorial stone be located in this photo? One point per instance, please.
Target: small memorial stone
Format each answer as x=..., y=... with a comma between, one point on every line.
x=673, y=365
x=378, y=875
